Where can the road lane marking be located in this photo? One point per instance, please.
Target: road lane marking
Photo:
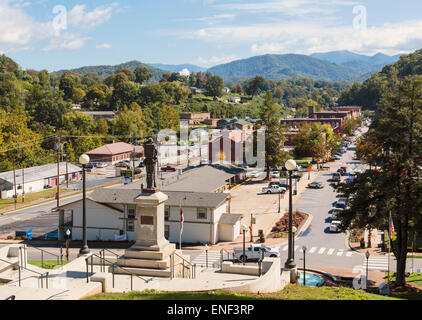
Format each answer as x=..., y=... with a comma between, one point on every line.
x=330, y=252
x=349, y=254
x=321, y=251
x=313, y=249
x=340, y=252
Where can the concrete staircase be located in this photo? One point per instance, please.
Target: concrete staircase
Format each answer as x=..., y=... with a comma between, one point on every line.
x=153, y=263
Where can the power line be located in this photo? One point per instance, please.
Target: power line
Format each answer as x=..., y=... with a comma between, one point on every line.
x=46, y=139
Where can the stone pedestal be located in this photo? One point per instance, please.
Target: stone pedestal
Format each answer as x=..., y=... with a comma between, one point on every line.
x=150, y=255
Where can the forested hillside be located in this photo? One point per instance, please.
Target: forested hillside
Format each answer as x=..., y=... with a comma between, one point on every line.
x=368, y=93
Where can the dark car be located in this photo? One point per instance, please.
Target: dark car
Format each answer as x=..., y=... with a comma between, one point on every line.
x=141, y=165
x=168, y=168
x=341, y=204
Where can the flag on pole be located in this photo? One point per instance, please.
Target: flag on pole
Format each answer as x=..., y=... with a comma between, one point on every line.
x=391, y=228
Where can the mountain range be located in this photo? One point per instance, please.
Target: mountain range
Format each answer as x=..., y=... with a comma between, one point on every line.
x=329, y=66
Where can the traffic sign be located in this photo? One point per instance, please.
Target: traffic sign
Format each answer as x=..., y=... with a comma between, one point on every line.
x=309, y=169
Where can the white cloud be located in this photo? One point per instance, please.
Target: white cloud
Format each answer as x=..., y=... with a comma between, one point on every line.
x=214, y=60
x=288, y=7
x=20, y=31
x=104, y=46
x=302, y=37
x=80, y=18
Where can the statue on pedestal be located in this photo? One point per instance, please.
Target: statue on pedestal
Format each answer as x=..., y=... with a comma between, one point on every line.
x=151, y=158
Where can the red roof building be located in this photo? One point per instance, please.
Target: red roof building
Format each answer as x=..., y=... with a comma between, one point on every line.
x=115, y=152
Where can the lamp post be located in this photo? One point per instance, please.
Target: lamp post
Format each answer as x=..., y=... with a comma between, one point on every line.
x=243, y=228
x=84, y=160
x=67, y=244
x=367, y=255
x=290, y=263
x=304, y=248
x=206, y=254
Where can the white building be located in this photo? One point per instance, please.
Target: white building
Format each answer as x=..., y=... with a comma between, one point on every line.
x=235, y=99
x=112, y=214
x=36, y=179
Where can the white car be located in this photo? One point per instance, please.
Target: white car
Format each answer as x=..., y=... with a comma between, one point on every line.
x=335, y=226
x=274, y=189
x=275, y=174
x=253, y=174
x=102, y=164
x=255, y=252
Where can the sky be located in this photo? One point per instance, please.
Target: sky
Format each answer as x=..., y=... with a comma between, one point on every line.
x=64, y=34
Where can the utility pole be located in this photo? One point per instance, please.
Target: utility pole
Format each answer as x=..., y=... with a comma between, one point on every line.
x=67, y=174
x=251, y=227
x=23, y=184
x=58, y=171
x=14, y=182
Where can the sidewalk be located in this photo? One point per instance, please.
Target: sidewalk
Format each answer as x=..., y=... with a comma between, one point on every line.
x=246, y=197
x=375, y=250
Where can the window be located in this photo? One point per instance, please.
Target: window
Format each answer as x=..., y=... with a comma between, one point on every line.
x=131, y=211
x=166, y=231
x=202, y=213
x=130, y=225
x=166, y=213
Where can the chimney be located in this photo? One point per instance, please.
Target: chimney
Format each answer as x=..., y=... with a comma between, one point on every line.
x=311, y=111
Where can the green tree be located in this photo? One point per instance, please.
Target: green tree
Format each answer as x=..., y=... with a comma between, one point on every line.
x=215, y=86
x=129, y=122
x=395, y=187
x=142, y=74
x=254, y=85
x=275, y=156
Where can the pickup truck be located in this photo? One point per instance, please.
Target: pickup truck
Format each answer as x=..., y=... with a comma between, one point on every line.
x=274, y=189
x=254, y=252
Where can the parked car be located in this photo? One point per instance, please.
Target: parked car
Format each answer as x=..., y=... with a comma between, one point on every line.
x=341, y=204
x=168, y=168
x=102, y=164
x=275, y=174
x=89, y=165
x=274, y=189
x=141, y=164
x=336, y=176
x=316, y=185
x=253, y=174
x=254, y=252
x=335, y=226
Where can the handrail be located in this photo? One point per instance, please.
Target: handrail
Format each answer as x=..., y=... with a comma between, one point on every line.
x=114, y=265
x=21, y=267
x=59, y=257
x=192, y=266
x=105, y=249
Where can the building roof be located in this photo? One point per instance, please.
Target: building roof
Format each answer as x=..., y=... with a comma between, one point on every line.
x=204, y=179
x=114, y=149
x=39, y=173
x=175, y=198
x=230, y=218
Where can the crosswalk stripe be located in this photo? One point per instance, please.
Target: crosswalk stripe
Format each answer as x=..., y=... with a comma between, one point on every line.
x=340, y=252
x=296, y=247
x=313, y=249
x=321, y=251
x=285, y=248
x=349, y=254
x=330, y=252
x=213, y=256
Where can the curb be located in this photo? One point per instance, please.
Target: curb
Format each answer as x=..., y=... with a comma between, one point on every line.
x=306, y=225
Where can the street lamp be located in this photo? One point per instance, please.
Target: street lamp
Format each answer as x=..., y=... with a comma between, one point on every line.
x=84, y=160
x=206, y=254
x=304, y=248
x=243, y=228
x=290, y=263
x=67, y=244
x=367, y=255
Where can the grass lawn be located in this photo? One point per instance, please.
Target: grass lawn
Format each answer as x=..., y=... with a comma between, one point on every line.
x=291, y=292
x=48, y=264
x=48, y=193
